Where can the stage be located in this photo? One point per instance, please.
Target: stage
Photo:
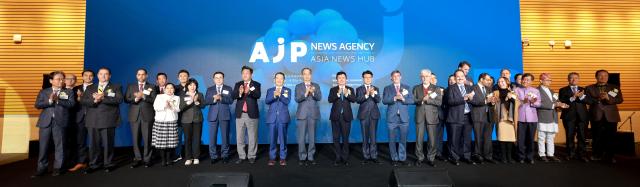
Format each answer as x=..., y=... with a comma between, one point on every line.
x=567, y=173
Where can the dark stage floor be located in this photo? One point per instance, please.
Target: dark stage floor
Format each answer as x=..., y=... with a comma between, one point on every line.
x=568, y=173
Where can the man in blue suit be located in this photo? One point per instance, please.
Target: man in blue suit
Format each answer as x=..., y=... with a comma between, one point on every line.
x=398, y=98
x=278, y=99
x=459, y=96
x=368, y=113
x=341, y=96
x=307, y=96
x=55, y=103
x=219, y=98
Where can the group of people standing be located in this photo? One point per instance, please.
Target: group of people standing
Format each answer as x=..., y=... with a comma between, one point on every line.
x=81, y=120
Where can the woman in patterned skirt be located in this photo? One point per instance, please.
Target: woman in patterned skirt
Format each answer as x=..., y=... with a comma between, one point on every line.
x=165, y=128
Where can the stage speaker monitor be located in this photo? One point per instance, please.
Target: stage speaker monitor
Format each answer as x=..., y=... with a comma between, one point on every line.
x=415, y=177
x=221, y=179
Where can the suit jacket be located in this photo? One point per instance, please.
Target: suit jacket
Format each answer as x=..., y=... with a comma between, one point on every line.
x=77, y=111
x=480, y=112
x=251, y=98
x=456, y=103
x=219, y=110
x=179, y=89
x=577, y=108
x=104, y=114
x=341, y=104
x=527, y=112
x=157, y=87
x=546, y=111
x=57, y=111
x=308, y=105
x=191, y=113
x=427, y=111
x=604, y=108
x=278, y=106
x=144, y=107
x=395, y=106
x=368, y=104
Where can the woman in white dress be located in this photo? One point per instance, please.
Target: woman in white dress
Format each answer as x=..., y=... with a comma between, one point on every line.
x=165, y=127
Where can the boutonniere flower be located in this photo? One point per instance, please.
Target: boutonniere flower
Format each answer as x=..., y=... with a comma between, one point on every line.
x=405, y=92
x=286, y=93
x=252, y=88
x=615, y=90
x=109, y=90
x=531, y=95
x=555, y=96
x=150, y=89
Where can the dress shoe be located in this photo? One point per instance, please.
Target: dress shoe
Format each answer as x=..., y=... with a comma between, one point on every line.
x=336, y=163
x=147, y=164
x=365, y=161
x=89, y=170
x=239, y=161
x=39, y=173
x=56, y=172
x=376, y=161
x=78, y=167
x=544, y=159
x=531, y=162
x=419, y=163
x=490, y=161
x=395, y=163
x=312, y=162
x=109, y=169
x=196, y=161
x=406, y=163
x=283, y=163
x=188, y=163
x=301, y=162
x=271, y=163
x=554, y=159
x=136, y=164
x=252, y=161
x=225, y=160
x=455, y=162
x=345, y=163
x=431, y=163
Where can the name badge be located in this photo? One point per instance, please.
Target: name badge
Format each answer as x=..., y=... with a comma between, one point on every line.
x=225, y=92
x=433, y=95
x=613, y=94
x=111, y=94
x=146, y=92
x=188, y=98
x=63, y=97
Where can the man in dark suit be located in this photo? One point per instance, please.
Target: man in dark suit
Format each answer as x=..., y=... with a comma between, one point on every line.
x=219, y=98
x=459, y=118
x=278, y=99
x=247, y=92
x=78, y=135
x=307, y=96
x=603, y=99
x=575, y=118
x=103, y=116
x=480, y=116
x=161, y=81
x=465, y=67
x=442, y=117
x=341, y=96
x=55, y=103
x=140, y=97
x=397, y=97
x=181, y=88
x=428, y=99
x=368, y=113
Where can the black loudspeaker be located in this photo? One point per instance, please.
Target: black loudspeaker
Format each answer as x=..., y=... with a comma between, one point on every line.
x=614, y=78
x=415, y=177
x=625, y=144
x=221, y=179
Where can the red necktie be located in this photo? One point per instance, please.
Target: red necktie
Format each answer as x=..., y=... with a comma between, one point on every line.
x=246, y=90
x=397, y=90
x=140, y=87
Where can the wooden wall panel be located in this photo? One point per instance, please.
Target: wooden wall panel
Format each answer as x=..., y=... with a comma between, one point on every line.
x=53, y=39
x=605, y=35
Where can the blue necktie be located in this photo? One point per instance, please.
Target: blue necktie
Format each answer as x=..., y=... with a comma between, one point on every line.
x=342, y=99
x=466, y=105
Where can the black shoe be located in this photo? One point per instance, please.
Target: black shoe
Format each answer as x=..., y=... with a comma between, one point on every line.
x=311, y=162
x=109, y=169
x=56, y=172
x=89, y=170
x=147, y=164
x=252, y=161
x=395, y=163
x=405, y=163
x=39, y=173
x=136, y=164
x=431, y=163
x=376, y=161
x=239, y=161
x=225, y=160
x=469, y=161
x=554, y=159
x=490, y=161
x=213, y=161
x=419, y=163
x=365, y=161
x=346, y=163
x=302, y=162
x=440, y=158
x=530, y=162
x=584, y=159
x=544, y=159
x=455, y=162
x=164, y=164
x=336, y=163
